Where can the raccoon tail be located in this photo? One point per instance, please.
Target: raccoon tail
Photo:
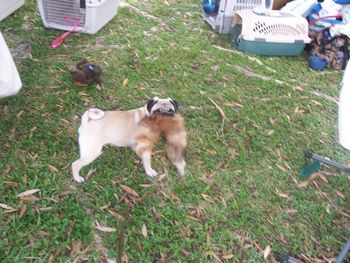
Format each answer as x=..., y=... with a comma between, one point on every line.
x=176, y=145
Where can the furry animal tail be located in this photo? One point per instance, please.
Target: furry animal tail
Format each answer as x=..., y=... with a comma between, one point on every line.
x=176, y=142
x=172, y=128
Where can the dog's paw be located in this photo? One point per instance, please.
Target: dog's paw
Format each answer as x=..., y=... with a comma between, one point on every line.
x=181, y=172
x=151, y=172
x=79, y=179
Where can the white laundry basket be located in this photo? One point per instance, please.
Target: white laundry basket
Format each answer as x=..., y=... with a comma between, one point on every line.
x=269, y=32
x=222, y=21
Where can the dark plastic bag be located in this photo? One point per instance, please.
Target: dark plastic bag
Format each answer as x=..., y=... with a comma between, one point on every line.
x=335, y=50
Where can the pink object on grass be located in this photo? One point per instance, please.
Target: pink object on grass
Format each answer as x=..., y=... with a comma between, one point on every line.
x=58, y=41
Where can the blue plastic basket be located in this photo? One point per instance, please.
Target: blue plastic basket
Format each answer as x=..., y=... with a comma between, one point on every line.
x=317, y=63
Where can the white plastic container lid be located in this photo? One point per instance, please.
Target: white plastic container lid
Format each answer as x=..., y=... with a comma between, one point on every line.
x=344, y=109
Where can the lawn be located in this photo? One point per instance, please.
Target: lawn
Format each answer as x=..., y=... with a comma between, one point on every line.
x=249, y=120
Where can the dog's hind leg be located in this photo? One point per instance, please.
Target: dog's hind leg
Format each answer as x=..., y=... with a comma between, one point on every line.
x=87, y=155
x=175, y=145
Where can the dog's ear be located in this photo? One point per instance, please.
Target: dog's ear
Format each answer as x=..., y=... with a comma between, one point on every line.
x=150, y=103
x=175, y=104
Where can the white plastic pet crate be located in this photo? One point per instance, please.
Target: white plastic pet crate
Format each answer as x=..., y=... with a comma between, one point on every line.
x=7, y=7
x=269, y=32
x=90, y=15
x=222, y=21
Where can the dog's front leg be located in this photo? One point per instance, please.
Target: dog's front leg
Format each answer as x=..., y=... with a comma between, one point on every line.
x=145, y=154
x=146, y=160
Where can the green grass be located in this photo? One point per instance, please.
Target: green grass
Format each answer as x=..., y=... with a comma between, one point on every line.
x=242, y=189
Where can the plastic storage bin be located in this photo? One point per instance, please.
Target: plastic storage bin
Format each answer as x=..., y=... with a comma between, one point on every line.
x=317, y=63
x=10, y=81
x=269, y=32
x=92, y=15
x=222, y=21
x=7, y=7
x=344, y=109
x=300, y=7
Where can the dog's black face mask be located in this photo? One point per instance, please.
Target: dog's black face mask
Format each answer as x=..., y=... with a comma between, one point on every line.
x=166, y=107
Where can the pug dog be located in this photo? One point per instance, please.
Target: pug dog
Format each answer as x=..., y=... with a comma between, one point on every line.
x=139, y=129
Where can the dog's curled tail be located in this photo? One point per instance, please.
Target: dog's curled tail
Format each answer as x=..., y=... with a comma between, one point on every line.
x=95, y=114
x=91, y=114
